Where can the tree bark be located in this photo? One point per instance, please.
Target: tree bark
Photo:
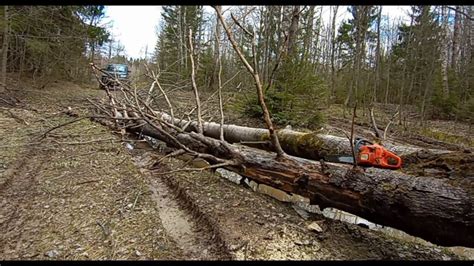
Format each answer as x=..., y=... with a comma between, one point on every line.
x=5, y=50
x=444, y=53
x=305, y=145
x=456, y=39
x=377, y=57
x=333, y=51
x=431, y=208
x=295, y=16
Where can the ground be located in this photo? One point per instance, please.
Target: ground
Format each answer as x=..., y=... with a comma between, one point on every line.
x=82, y=191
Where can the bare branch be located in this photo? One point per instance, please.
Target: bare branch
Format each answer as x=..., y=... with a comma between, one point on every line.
x=352, y=135
x=251, y=34
x=461, y=12
x=254, y=72
x=389, y=123
x=228, y=163
x=374, y=124
x=219, y=82
x=193, y=79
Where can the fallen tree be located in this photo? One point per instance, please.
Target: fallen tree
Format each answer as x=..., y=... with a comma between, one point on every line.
x=306, y=145
x=432, y=208
x=317, y=146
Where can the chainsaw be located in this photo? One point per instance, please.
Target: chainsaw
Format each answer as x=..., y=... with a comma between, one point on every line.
x=370, y=155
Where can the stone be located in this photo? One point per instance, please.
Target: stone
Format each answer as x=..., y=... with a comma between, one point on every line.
x=229, y=175
x=274, y=193
x=129, y=146
x=52, y=253
x=314, y=226
x=138, y=253
x=301, y=212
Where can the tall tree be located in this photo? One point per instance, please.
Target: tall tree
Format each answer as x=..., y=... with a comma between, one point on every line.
x=4, y=49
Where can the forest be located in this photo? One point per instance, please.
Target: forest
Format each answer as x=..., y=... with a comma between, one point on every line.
x=265, y=95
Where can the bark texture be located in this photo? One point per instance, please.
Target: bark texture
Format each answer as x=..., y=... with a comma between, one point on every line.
x=431, y=208
x=306, y=145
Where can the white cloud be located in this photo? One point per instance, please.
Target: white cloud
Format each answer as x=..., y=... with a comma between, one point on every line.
x=134, y=26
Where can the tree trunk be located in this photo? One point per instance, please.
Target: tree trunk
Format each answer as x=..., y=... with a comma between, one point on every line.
x=456, y=38
x=295, y=16
x=308, y=38
x=333, y=51
x=444, y=52
x=377, y=58
x=427, y=207
x=6, y=26
x=305, y=145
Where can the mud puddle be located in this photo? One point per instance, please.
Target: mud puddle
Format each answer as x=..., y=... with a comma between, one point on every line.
x=177, y=223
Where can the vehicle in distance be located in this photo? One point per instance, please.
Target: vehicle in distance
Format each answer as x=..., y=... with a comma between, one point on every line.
x=112, y=73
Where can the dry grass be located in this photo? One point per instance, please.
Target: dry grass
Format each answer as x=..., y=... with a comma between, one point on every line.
x=75, y=201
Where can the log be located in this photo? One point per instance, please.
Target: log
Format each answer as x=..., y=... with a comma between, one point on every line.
x=431, y=208
x=317, y=146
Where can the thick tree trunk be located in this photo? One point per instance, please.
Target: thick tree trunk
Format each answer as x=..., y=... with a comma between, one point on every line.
x=431, y=208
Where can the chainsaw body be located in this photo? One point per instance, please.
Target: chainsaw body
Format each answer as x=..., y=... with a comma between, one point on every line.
x=370, y=154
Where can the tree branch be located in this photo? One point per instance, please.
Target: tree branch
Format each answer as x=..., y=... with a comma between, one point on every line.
x=193, y=79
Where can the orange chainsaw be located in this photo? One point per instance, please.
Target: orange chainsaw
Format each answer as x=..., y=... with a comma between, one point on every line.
x=371, y=155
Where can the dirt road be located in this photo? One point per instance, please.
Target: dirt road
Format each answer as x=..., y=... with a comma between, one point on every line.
x=83, y=192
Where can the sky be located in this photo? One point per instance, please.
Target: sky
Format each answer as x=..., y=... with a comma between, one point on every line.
x=135, y=26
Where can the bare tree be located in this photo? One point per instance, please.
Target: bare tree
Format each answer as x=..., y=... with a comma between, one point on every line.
x=254, y=72
x=333, y=51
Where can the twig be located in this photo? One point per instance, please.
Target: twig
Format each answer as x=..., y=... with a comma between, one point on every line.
x=83, y=142
x=61, y=125
x=17, y=118
x=389, y=123
x=374, y=125
x=136, y=199
x=240, y=26
x=88, y=181
x=198, y=169
x=172, y=154
x=352, y=135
